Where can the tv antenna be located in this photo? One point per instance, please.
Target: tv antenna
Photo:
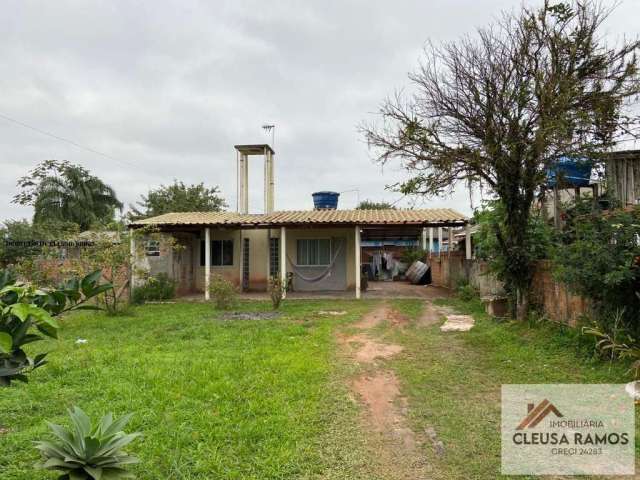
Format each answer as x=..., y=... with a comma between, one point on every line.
x=270, y=128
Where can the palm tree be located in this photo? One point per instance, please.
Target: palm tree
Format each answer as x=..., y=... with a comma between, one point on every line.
x=70, y=193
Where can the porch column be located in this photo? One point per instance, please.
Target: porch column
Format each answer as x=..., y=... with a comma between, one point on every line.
x=283, y=260
x=134, y=260
x=207, y=262
x=424, y=238
x=430, y=241
x=439, y=242
x=467, y=241
x=450, y=242
x=357, y=255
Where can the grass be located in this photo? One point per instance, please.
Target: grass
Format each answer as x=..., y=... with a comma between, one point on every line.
x=453, y=380
x=269, y=399
x=214, y=399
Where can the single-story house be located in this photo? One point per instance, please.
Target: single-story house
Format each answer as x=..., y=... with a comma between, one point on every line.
x=318, y=250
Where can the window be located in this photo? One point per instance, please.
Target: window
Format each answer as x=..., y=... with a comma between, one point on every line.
x=315, y=251
x=221, y=253
x=152, y=248
x=274, y=256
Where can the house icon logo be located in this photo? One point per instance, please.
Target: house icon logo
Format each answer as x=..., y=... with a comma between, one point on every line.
x=537, y=413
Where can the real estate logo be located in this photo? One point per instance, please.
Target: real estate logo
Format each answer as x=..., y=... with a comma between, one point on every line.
x=567, y=430
x=535, y=414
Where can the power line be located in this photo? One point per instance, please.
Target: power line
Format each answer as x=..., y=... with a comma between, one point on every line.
x=71, y=142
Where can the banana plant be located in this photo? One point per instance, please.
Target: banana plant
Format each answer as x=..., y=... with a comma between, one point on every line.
x=84, y=452
x=27, y=315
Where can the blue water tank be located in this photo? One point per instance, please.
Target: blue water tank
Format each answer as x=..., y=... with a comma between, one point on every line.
x=572, y=173
x=325, y=200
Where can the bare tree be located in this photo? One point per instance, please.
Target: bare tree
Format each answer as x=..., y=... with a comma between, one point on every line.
x=500, y=108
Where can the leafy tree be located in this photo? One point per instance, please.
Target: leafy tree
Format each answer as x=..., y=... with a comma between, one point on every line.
x=503, y=108
x=178, y=197
x=23, y=240
x=61, y=191
x=371, y=205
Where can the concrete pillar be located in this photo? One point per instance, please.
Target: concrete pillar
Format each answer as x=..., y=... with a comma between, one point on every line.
x=243, y=183
x=283, y=259
x=450, y=242
x=357, y=255
x=430, y=241
x=134, y=261
x=268, y=181
x=467, y=241
x=439, y=241
x=424, y=238
x=207, y=262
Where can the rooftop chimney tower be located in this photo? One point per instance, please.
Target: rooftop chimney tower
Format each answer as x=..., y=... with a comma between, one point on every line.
x=242, y=154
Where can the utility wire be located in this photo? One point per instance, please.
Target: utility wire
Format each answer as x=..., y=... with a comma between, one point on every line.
x=75, y=144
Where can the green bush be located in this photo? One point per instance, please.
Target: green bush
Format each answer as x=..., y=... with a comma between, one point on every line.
x=160, y=287
x=224, y=293
x=86, y=452
x=600, y=259
x=410, y=255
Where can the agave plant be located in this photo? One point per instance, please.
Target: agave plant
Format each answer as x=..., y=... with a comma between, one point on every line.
x=84, y=452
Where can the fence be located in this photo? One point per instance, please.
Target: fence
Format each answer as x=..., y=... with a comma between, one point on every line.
x=553, y=298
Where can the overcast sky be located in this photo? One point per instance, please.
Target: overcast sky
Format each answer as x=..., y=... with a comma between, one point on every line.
x=167, y=89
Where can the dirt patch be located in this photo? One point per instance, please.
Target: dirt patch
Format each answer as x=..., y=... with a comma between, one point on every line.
x=368, y=350
x=380, y=314
x=3, y=430
x=430, y=315
x=250, y=315
x=396, y=444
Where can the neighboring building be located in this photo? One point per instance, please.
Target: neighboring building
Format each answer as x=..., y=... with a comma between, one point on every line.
x=623, y=176
x=321, y=248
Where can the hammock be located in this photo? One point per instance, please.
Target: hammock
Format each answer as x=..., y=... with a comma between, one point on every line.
x=325, y=273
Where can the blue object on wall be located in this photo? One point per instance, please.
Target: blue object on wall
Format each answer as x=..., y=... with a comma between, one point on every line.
x=325, y=200
x=572, y=173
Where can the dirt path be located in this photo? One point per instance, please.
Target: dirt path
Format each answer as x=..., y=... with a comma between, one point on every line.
x=397, y=451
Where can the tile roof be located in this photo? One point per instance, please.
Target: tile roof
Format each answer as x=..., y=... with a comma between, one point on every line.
x=310, y=217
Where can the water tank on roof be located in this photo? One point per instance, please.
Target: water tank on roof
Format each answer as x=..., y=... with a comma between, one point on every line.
x=325, y=200
x=570, y=173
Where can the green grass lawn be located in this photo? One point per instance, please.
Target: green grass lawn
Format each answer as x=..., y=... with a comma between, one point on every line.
x=234, y=399
x=453, y=380
x=269, y=399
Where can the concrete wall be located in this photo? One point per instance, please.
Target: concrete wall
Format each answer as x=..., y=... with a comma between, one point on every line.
x=343, y=276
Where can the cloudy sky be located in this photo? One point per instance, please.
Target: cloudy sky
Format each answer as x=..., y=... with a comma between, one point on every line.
x=165, y=89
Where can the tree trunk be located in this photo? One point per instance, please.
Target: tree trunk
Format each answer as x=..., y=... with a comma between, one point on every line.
x=522, y=303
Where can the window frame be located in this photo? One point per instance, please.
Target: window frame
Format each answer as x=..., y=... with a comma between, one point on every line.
x=318, y=240
x=152, y=248
x=221, y=252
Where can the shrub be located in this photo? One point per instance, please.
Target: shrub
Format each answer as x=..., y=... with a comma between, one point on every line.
x=27, y=315
x=224, y=293
x=160, y=287
x=276, y=291
x=464, y=290
x=410, y=255
x=600, y=260
x=86, y=452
